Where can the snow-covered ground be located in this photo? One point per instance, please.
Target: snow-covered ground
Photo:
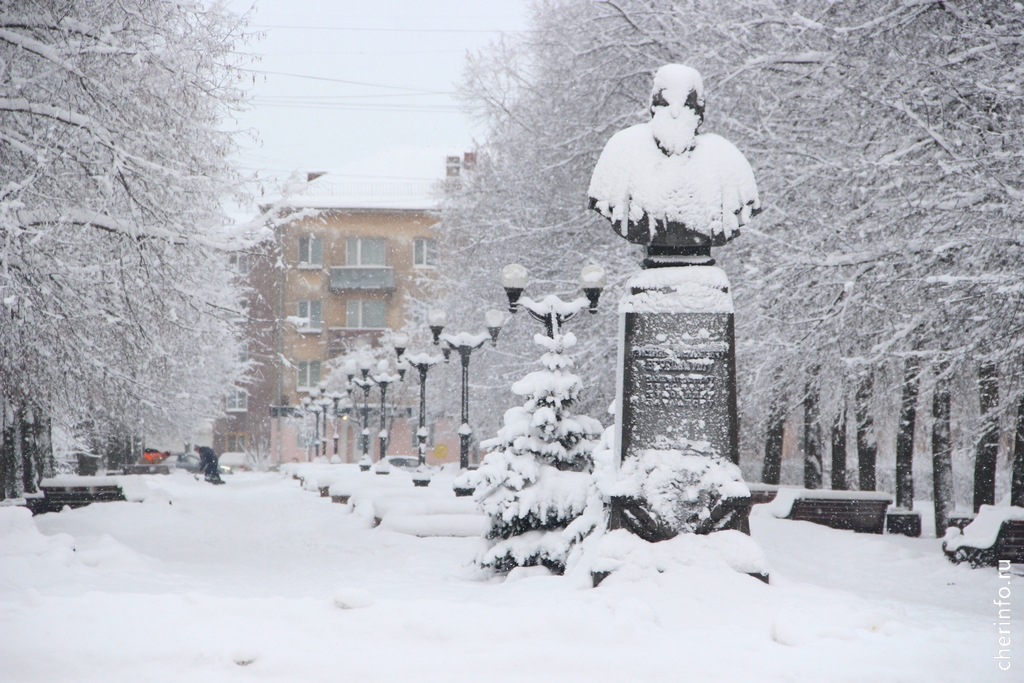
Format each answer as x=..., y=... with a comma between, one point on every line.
x=261, y=580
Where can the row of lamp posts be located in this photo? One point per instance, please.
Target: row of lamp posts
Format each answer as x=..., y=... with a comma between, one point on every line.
x=318, y=402
x=551, y=311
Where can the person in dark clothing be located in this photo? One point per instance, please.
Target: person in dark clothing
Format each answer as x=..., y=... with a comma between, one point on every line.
x=209, y=462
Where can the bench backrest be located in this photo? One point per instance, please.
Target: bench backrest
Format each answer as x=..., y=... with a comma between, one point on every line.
x=865, y=516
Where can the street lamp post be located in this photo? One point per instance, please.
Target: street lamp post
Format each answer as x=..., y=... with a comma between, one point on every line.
x=314, y=405
x=382, y=379
x=465, y=343
x=306, y=401
x=324, y=401
x=336, y=397
x=422, y=362
x=363, y=383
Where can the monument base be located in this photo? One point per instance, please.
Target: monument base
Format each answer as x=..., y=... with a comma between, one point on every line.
x=635, y=516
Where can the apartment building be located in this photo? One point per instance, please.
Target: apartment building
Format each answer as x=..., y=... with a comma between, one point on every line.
x=349, y=264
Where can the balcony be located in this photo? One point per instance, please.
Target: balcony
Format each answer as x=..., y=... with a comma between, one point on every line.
x=343, y=340
x=379, y=278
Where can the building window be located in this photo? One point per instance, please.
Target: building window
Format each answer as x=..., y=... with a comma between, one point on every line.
x=239, y=263
x=366, y=313
x=304, y=438
x=424, y=252
x=236, y=442
x=311, y=251
x=243, y=311
x=365, y=251
x=237, y=401
x=312, y=311
x=309, y=374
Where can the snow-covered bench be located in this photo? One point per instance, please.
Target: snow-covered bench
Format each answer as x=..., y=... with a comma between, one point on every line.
x=74, y=492
x=861, y=511
x=762, y=493
x=997, y=533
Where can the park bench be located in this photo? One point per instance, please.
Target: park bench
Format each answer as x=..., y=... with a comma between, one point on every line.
x=997, y=533
x=762, y=493
x=960, y=519
x=74, y=492
x=860, y=511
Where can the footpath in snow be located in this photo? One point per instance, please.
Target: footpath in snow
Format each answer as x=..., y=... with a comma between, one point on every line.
x=261, y=580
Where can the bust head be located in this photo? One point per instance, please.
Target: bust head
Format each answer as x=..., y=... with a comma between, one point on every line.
x=677, y=108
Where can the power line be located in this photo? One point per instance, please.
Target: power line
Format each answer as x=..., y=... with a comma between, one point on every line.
x=350, y=97
x=382, y=30
x=341, y=80
x=418, y=108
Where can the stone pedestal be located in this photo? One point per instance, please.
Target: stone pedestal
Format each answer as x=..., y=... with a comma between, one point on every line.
x=677, y=363
x=677, y=402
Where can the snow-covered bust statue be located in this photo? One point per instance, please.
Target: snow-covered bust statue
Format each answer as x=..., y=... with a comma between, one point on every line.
x=667, y=186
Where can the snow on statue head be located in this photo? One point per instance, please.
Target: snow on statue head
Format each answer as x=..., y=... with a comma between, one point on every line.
x=677, y=108
x=667, y=186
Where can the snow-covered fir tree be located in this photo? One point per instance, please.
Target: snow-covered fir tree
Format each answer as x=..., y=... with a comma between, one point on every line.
x=537, y=477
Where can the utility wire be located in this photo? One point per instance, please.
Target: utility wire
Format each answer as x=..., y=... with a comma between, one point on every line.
x=341, y=80
x=382, y=30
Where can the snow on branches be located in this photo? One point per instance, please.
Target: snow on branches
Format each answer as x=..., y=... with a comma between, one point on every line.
x=537, y=477
x=118, y=304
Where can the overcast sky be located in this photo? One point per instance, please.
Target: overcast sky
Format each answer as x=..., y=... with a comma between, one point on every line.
x=339, y=80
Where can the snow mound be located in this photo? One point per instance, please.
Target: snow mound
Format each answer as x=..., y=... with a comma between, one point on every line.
x=20, y=536
x=349, y=597
x=630, y=558
x=458, y=526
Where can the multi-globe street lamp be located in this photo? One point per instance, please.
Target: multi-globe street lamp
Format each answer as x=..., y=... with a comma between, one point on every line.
x=383, y=378
x=363, y=382
x=336, y=399
x=324, y=402
x=422, y=362
x=465, y=343
x=551, y=310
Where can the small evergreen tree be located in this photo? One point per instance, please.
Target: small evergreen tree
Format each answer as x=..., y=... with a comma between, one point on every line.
x=537, y=476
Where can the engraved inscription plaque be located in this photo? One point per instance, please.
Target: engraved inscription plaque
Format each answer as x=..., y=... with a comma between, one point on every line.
x=679, y=382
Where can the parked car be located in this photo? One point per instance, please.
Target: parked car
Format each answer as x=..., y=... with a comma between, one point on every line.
x=234, y=461
x=405, y=462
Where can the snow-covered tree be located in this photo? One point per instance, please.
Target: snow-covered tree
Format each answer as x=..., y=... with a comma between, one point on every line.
x=537, y=477
x=118, y=307
x=884, y=137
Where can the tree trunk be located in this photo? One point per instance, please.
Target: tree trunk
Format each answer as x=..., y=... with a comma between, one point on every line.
x=867, y=448
x=812, y=439
x=772, y=470
x=905, y=437
x=6, y=449
x=988, y=445
x=839, y=451
x=942, y=462
x=1017, y=482
x=30, y=451
x=18, y=488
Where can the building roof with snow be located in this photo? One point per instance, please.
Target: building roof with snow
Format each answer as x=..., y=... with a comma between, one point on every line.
x=397, y=178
